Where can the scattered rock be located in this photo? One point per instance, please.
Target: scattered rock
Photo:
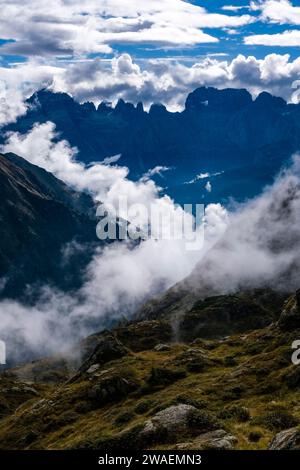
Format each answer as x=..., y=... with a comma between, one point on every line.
x=167, y=425
x=194, y=359
x=93, y=369
x=286, y=440
x=40, y=407
x=162, y=347
x=214, y=440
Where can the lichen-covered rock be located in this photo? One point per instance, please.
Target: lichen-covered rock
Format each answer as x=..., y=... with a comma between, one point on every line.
x=286, y=440
x=93, y=369
x=169, y=424
x=214, y=440
x=290, y=316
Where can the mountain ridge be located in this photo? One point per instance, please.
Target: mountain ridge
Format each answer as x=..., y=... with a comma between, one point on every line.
x=223, y=131
x=39, y=215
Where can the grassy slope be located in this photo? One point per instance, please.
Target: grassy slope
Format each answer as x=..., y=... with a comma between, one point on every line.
x=245, y=370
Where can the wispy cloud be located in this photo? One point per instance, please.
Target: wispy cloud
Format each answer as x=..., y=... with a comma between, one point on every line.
x=285, y=39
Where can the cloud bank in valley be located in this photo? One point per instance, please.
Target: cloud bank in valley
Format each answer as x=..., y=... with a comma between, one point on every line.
x=120, y=275
x=255, y=245
x=78, y=47
x=261, y=246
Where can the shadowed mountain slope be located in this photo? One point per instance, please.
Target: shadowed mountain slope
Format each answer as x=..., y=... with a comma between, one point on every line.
x=39, y=216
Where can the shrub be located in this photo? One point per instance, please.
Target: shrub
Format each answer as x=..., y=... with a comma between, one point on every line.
x=276, y=420
x=230, y=361
x=233, y=393
x=186, y=400
x=195, y=366
x=144, y=406
x=292, y=379
x=254, y=436
x=124, y=417
x=202, y=421
x=236, y=412
x=161, y=377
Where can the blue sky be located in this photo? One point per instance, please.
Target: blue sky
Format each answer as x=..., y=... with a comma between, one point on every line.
x=148, y=50
x=57, y=17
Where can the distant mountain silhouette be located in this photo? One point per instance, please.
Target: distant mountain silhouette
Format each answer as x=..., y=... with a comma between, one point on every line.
x=219, y=131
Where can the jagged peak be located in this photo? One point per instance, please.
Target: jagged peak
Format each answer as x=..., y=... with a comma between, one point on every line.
x=266, y=99
x=157, y=109
x=46, y=94
x=233, y=98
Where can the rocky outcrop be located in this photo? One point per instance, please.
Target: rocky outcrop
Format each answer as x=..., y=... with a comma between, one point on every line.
x=112, y=387
x=216, y=316
x=290, y=316
x=194, y=359
x=169, y=424
x=108, y=349
x=214, y=440
x=286, y=440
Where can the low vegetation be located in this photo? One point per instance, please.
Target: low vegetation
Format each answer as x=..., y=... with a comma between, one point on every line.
x=239, y=389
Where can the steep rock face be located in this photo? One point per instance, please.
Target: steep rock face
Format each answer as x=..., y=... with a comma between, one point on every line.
x=108, y=348
x=223, y=131
x=290, y=316
x=39, y=216
x=223, y=100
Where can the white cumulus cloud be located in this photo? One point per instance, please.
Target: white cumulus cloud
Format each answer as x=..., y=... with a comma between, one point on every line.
x=56, y=28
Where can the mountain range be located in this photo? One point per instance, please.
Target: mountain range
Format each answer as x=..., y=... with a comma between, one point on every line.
x=226, y=137
x=207, y=364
